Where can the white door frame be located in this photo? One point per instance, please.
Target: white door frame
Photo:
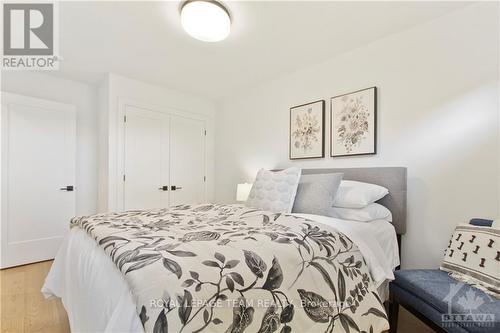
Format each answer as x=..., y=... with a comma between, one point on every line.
x=11, y=98
x=120, y=158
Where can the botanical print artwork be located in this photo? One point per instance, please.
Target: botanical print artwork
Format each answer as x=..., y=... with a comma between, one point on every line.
x=307, y=130
x=231, y=268
x=352, y=126
x=353, y=123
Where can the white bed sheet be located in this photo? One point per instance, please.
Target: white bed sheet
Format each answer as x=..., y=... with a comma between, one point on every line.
x=376, y=240
x=93, y=291
x=98, y=299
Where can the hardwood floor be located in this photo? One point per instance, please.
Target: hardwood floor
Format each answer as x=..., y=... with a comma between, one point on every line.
x=24, y=309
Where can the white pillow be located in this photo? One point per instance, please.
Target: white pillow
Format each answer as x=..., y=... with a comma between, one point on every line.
x=369, y=213
x=352, y=194
x=274, y=191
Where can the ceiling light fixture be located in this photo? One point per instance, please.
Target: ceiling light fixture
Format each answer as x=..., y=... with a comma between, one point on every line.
x=205, y=20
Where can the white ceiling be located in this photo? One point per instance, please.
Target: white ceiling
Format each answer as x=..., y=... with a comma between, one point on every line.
x=144, y=40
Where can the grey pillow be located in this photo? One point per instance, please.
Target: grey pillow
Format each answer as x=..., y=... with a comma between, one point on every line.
x=316, y=193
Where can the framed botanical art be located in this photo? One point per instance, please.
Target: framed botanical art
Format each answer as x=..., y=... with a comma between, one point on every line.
x=353, y=123
x=307, y=130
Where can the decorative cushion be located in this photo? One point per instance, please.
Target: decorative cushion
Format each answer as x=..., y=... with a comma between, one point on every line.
x=369, y=213
x=353, y=194
x=274, y=191
x=315, y=193
x=446, y=296
x=473, y=256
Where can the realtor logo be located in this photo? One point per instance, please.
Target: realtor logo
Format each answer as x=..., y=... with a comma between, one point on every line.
x=466, y=310
x=29, y=31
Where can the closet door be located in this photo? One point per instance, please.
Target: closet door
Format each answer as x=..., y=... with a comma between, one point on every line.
x=187, y=161
x=38, y=177
x=146, y=159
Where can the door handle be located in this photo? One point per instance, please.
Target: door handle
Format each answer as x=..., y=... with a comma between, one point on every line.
x=68, y=188
x=163, y=188
x=174, y=188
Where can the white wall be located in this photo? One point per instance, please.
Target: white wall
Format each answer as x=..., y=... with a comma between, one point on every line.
x=114, y=89
x=438, y=116
x=83, y=96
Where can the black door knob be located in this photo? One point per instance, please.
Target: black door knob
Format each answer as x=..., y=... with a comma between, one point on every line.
x=163, y=188
x=68, y=188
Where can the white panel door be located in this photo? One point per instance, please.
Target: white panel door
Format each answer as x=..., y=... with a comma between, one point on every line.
x=187, y=161
x=146, y=159
x=38, y=175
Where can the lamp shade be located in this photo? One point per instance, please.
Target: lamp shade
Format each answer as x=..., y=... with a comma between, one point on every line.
x=242, y=191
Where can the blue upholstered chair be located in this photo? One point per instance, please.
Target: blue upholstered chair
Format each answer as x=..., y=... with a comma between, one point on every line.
x=443, y=303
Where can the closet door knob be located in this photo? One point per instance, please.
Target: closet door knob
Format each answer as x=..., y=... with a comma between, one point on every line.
x=163, y=188
x=68, y=188
x=174, y=188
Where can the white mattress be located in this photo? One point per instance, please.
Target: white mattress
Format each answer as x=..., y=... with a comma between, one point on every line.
x=98, y=299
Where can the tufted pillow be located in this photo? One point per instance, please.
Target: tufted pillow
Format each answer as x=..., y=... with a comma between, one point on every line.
x=274, y=191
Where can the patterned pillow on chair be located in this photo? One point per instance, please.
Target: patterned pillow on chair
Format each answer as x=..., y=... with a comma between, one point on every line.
x=473, y=256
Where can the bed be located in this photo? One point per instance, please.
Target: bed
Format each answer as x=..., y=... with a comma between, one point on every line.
x=230, y=268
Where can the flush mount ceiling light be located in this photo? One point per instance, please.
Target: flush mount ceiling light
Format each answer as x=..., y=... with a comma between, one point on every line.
x=205, y=20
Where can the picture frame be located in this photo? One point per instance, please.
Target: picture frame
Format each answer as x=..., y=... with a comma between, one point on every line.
x=307, y=131
x=353, y=123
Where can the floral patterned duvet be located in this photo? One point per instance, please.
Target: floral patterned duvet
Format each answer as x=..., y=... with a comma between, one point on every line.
x=230, y=268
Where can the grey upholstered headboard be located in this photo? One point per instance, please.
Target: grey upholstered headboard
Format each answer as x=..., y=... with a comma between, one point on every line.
x=392, y=178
